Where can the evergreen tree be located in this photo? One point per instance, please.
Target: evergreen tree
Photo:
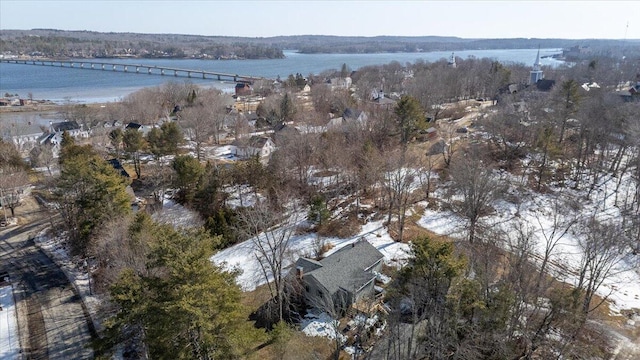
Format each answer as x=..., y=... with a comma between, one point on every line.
x=185, y=307
x=116, y=137
x=90, y=191
x=287, y=108
x=410, y=117
x=133, y=143
x=318, y=212
x=189, y=172
x=165, y=140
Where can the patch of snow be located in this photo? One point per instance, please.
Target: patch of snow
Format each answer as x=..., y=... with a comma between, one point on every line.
x=242, y=196
x=321, y=325
x=9, y=342
x=242, y=256
x=177, y=215
x=535, y=211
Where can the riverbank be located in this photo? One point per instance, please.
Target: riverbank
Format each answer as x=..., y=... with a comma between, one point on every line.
x=37, y=105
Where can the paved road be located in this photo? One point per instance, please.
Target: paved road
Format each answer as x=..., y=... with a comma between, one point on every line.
x=50, y=316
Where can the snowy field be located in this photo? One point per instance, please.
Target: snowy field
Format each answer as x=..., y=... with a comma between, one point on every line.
x=242, y=256
x=535, y=212
x=9, y=342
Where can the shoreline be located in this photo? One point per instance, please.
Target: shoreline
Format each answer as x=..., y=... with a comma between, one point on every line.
x=47, y=106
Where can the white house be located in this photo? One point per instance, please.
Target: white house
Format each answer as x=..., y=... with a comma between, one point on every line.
x=260, y=146
x=340, y=83
x=24, y=137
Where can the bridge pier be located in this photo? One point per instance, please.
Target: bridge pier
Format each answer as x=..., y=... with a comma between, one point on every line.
x=73, y=64
x=204, y=77
x=188, y=73
x=175, y=72
x=149, y=72
x=125, y=69
x=114, y=68
x=161, y=71
x=137, y=69
x=102, y=66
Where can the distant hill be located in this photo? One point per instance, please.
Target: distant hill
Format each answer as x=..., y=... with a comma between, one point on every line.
x=86, y=44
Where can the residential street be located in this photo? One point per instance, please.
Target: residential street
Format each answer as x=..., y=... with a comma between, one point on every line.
x=51, y=320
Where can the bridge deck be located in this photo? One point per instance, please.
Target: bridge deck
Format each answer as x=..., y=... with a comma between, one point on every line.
x=124, y=68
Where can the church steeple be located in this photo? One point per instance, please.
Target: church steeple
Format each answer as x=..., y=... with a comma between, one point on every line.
x=536, y=74
x=452, y=61
x=537, y=65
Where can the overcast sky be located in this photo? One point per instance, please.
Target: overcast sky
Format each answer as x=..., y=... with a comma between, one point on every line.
x=468, y=19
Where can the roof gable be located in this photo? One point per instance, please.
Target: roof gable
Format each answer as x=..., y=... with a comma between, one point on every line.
x=65, y=126
x=348, y=268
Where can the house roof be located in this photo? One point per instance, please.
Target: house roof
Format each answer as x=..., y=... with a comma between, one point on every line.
x=14, y=130
x=350, y=113
x=545, y=85
x=257, y=142
x=381, y=100
x=133, y=125
x=47, y=138
x=65, y=126
x=345, y=269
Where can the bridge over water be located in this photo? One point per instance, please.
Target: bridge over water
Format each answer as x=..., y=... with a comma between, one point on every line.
x=137, y=69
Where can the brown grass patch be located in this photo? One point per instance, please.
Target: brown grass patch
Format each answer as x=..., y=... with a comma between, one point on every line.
x=299, y=347
x=254, y=299
x=342, y=228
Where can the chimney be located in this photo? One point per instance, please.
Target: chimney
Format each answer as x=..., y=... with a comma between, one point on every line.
x=299, y=272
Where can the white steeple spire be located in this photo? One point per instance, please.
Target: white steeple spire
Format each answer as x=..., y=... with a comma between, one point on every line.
x=536, y=74
x=537, y=65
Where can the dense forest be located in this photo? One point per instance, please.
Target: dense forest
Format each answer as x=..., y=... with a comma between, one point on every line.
x=83, y=44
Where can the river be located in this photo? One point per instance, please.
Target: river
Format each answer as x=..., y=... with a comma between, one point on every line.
x=94, y=86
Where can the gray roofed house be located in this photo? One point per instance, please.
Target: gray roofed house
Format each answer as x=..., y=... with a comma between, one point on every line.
x=349, y=116
x=341, y=279
x=24, y=136
x=65, y=126
x=260, y=146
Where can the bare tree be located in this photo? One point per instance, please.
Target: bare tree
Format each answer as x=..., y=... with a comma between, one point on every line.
x=13, y=181
x=203, y=119
x=602, y=249
x=158, y=178
x=562, y=220
x=478, y=186
x=42, y=155
x=270, y=231
x=398, y=180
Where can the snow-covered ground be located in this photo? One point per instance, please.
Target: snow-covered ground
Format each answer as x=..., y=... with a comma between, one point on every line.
x=9, y=342
x=321, y=325
x=225, y=152
x=177, y=215
x=535, y=212
x=242, y=256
